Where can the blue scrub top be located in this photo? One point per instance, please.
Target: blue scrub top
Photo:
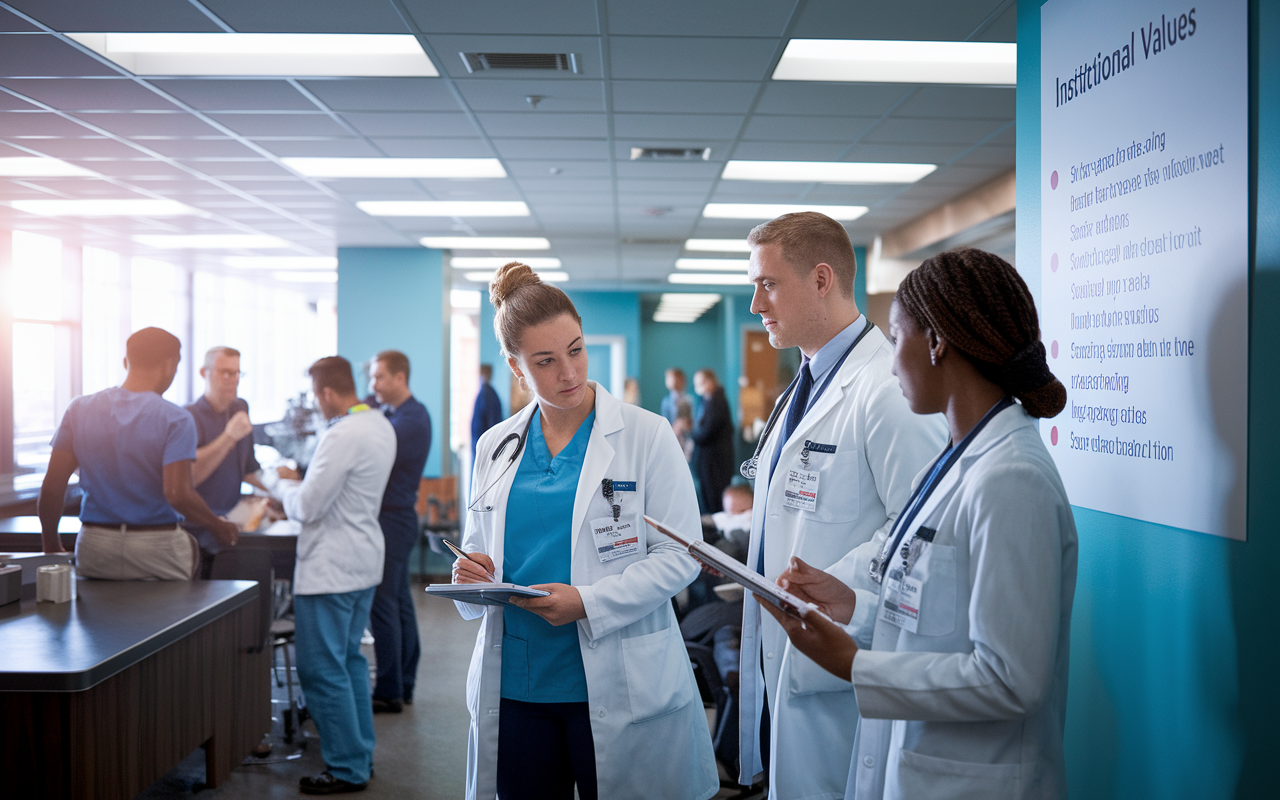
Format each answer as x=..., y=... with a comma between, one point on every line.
x=542, y=663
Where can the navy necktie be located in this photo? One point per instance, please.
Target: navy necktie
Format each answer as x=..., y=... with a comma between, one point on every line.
x=795, y=412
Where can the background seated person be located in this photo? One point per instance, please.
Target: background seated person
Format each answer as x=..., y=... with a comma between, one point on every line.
x=134, y=450
x=733, y=524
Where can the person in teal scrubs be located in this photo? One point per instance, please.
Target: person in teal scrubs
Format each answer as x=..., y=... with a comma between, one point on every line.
x=588, y=688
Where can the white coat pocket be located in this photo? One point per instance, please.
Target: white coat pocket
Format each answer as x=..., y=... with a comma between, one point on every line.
x=806, y=677
x=658, y=673
x=839, y=482
x=937, y=570
x=929, y=776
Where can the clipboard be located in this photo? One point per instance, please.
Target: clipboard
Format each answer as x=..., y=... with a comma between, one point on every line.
x=737, y=572
x=483, y=594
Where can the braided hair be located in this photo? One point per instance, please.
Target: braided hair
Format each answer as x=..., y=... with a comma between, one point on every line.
x=979, y=303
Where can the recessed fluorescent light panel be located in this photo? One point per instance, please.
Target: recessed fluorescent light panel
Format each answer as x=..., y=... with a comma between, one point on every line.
x=709, y=278
x=718, y=245
x=281, y=262
x=260, y=54
x=105, y=208
x=880, y=61
x=233, y=241
x=493, y=262
x=825, y=171
x=673, y=307
x=713, y=264
x=40, y=167
x=550, y=276
x=306, y=277
x=396, y=167
x=771, y=210
x=443, y=208
x=486, y=242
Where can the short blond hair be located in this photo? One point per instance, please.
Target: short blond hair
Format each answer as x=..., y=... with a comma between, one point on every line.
x=807, y=239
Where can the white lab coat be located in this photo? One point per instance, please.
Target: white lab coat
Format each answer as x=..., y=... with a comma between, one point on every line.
x=973, y=704
x=880, y=446
x=647, y=721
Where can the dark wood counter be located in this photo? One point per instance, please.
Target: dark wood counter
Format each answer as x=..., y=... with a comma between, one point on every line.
x=103, y=695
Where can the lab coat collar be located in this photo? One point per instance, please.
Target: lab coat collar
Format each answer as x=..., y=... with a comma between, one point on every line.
x=849, y=370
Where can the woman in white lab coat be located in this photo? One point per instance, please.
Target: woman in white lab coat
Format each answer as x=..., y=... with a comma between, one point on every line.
x=591, y=685
x=957, y=626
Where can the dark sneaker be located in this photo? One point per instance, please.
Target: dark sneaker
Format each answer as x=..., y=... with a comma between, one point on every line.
x=381, y=706
x=326, y=783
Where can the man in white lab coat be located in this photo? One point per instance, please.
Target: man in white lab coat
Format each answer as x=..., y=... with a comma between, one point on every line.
x=835, y=467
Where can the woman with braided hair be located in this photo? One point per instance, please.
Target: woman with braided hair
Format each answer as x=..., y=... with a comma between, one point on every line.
x=955, y=633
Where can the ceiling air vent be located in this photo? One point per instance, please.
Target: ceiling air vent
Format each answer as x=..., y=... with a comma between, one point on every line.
x=670, y=153
x=508, y=62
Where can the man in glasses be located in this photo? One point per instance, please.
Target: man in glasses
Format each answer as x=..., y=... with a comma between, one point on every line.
x=224, y=448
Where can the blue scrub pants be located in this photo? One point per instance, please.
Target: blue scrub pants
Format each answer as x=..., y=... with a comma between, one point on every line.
x=394, y=622
x=335, y=678
x=544, y=750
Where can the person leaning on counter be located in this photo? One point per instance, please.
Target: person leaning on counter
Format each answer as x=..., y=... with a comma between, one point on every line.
x=591, y=684
x=135, y=451
x=958, y=618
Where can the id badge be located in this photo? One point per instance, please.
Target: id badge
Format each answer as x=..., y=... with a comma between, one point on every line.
x=801, y=491
x=615, y=539
x=900, y=600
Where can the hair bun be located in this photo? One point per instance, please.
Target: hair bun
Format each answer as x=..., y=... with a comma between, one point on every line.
x=510, y=278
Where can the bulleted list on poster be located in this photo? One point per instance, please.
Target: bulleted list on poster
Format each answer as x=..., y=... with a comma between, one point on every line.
x=1144, y=256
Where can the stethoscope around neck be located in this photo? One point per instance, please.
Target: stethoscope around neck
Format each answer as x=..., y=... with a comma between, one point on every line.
x=750, y=467
x=519, y=439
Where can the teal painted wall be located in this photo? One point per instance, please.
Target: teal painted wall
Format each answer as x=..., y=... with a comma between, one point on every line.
x=491, y=353
x=393, y=299
x=1175, y=635
x=690, y=346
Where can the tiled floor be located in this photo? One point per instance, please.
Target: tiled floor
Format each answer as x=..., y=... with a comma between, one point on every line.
x=421, y=753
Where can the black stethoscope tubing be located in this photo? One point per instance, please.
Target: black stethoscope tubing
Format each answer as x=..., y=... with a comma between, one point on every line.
x=520, y=439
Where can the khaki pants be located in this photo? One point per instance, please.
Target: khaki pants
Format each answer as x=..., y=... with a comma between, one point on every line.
x=120, y=554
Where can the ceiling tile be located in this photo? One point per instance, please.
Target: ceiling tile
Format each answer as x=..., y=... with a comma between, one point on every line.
x=42, y=55
x=384, y=94
x=1000, y=154
x=534, y=124
x=562, y=184
x=960, y=102
x=473, y=147
x=496, y=94
x=237, y=95
x=148, y=124
x=10, y=103
x=12, y=22
x=82, y=148
x=691, y=58
x=931, y=131
x=565, y=169
x=308, y=16
x=239, y=168
x=134, y=169
x=943, y=20
x=694, y=97
x=1004, y=29
x=103, y=94
x=560, y=17
x=410, y=124
x=677, y=126
x=663, y=170
x=38, y=123
x=673, y=186
x=200, y=148
x=790, y=151
x=906, y=153
x=703, y=18
x=135, y=16
x=586, y=149
x=792, y=128
x=586, y=48
x=321, y=148
x=834, y=99
x=317, y=124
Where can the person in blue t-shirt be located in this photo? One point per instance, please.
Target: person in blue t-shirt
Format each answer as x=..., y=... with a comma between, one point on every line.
x=134, y=450
x=224, y=444
x=393, y=620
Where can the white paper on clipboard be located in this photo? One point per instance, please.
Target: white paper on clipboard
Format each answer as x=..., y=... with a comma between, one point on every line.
x=738, y=572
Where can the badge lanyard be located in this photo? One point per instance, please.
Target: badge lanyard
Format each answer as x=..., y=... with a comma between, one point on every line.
x=749, y=467
x=880, y=564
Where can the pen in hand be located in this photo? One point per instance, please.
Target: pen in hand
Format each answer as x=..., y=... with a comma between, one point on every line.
x=457, y=551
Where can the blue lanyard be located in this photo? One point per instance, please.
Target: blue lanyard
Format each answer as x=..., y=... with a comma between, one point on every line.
x=941, y=466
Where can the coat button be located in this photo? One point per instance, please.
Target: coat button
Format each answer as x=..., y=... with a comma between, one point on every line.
x=868, y=762
x=770, y=655
x=603, y=713
x=592, y=644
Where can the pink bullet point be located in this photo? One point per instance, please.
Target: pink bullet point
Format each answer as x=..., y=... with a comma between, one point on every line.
x=1053, y=262
x=1053, y=180
x=1053, y=435
x=1053, y=348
